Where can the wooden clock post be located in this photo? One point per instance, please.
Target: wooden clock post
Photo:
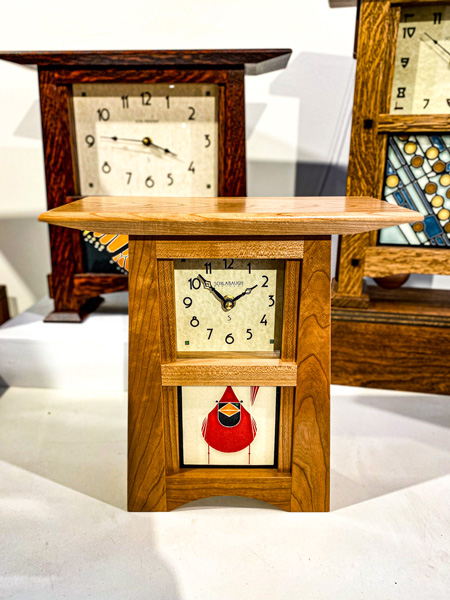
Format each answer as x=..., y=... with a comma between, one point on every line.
x=294, y=230
x=390, y=336
x=74, y=288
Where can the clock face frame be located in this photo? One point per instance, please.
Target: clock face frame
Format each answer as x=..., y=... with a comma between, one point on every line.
x=229, y=305
x=421, y=83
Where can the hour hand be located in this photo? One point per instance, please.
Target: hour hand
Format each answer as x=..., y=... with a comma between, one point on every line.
x=247, y=291
x=209, y=287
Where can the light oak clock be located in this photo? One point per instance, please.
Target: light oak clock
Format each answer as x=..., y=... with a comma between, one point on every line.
x=400, y=152
x=135, y=123
x=229, y=354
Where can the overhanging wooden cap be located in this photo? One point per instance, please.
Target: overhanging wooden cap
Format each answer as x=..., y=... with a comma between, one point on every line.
x=229, y=216
x=255, y=62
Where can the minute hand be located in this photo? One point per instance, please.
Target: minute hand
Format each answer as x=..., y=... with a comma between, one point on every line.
x=247, y=291
x=437, y=43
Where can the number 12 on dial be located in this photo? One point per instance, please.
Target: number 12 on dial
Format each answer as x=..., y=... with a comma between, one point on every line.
x=229, y=305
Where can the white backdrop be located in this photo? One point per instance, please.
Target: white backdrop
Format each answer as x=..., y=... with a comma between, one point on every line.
x=298, y=120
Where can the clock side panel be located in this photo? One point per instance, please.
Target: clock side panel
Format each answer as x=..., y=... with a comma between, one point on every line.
x=60, y=172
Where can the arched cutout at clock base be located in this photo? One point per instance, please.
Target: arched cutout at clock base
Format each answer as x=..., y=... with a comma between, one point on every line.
x=227, y=502
x=266, y=485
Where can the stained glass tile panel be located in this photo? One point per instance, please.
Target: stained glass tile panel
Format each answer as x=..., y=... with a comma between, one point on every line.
x=417, y=176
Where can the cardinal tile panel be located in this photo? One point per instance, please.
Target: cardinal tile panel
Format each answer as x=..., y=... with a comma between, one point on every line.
x=417, y=176
x=228, y=427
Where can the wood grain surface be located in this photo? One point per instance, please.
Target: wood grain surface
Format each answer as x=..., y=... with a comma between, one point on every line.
x=377, y=31
x=218, y=248
x=413, y=123
x=255, y=62
x=290, y=309
x=166, y=286
x=60, y=179
x=395, y=342
x=311, y=430
x=217, y=371
x=285, y=431
x=146, y=456
x=171, y=437
x=262, y=484
x=388, y=260
x=229, y=216
x=390, y=355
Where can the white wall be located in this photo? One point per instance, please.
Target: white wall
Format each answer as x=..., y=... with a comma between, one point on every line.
x=298, y=120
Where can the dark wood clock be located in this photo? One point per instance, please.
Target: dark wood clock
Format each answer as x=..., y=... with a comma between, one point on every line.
x=135, y=123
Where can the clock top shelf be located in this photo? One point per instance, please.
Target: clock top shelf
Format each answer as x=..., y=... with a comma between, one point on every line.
x=255, y=62
x=229, y=216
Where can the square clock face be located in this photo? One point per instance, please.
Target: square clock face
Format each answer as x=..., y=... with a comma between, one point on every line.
x=229, y=305
x=228, y=426
x=142, y=139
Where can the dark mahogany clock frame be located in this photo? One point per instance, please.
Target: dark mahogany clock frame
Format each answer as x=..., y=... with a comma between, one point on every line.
x=75, y=292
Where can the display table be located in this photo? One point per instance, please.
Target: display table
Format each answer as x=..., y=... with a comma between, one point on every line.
x=229, y=353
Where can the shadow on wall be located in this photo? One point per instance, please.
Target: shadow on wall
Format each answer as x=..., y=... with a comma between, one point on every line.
x=30, y=126
x=323, y=85
x=25, y=245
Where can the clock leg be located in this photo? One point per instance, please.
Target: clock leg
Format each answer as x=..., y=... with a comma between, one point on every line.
x=311, y=429
x=70, y=306
x=146, y=455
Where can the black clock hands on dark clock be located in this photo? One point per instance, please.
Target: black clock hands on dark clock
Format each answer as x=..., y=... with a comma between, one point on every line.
x=145, y=141
x=437, y=43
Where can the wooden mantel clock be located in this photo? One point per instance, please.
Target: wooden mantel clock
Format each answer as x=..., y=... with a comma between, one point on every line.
x=400, y=152
x=229, y=354
x=135, y=123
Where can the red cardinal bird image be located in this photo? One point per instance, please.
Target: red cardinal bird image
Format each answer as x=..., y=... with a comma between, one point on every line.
x=229, y=427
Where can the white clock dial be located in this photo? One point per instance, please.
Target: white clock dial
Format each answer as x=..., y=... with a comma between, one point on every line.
x=146, y=139
x=421, y=82
x=229, y=305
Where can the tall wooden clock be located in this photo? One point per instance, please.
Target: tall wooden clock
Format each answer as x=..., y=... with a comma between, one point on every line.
x=135, y=123
x=400, y=152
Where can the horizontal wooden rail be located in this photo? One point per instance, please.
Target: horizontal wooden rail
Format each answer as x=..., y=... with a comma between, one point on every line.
x=265, y=372
x=291, y=248
x=381, y=261
x=413, y=123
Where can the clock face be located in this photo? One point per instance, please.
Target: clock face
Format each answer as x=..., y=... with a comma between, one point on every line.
x=421, y=82
x=146, y=139
x=228, y=304
x=142, y=140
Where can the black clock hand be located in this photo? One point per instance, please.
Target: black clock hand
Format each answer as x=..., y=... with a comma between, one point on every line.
x=437, y=43
x=146, y=141
x=208, y=286
x=247, y=291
